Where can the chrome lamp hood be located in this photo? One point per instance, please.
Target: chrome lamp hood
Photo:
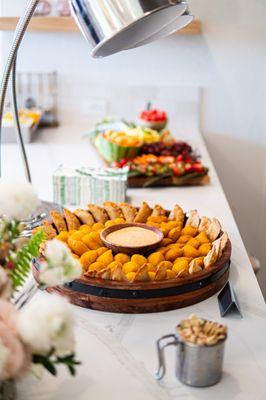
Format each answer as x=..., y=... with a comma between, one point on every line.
x=111, y=26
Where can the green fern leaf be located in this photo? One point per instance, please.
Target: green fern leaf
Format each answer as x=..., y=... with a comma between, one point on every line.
x=22, y=259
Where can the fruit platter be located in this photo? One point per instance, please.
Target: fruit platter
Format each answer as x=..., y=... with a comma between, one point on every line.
x=154, y=157
x=141, y=259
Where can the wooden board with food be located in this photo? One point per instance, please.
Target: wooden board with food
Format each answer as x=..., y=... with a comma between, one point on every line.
x=189, y=263
x=153, y=155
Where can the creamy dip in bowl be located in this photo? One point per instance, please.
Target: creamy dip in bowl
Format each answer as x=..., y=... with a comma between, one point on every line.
x=131, y=238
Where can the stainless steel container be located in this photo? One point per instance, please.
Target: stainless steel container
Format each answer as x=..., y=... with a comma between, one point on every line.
x=196, y=365
x=114, y=25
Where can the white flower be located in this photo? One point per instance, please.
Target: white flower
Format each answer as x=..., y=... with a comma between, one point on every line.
x=17, y=200
x=47, y=324
x=60, y=266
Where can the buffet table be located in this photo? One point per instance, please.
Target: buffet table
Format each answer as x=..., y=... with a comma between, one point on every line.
x=118, y=351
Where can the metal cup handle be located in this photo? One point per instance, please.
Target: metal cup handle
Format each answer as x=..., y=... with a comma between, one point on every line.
x=160, y=349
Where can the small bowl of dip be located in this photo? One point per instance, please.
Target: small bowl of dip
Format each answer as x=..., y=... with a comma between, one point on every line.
x=131, y=238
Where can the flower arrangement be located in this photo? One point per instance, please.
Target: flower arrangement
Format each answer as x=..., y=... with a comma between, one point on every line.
x=41, y=333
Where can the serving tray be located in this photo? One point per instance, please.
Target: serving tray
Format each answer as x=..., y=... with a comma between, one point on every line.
x=161, y=180
x=147, y=297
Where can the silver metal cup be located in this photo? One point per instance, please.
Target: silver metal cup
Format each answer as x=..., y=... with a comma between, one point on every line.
x=196, y=365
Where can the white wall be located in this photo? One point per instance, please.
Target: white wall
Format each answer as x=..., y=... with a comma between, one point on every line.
x=228, y=60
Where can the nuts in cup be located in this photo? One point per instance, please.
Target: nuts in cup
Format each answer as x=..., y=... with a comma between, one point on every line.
x=200, y=331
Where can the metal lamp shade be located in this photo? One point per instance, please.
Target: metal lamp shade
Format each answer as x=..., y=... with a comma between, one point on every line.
x=179, y=23
x=115, y=25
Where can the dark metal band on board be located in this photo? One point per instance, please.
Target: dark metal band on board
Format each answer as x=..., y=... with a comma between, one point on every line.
x=146, y=294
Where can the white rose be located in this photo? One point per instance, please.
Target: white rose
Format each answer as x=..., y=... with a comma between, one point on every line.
x=60, y=266
x=47, y=324
x=17, y=200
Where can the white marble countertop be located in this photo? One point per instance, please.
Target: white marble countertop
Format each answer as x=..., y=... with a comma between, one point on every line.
x=118, y=351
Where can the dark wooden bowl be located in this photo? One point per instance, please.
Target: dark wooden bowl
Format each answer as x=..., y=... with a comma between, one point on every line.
x=131, y=249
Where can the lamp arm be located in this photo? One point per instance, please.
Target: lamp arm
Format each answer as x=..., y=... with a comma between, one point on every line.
x=18, y=37
x=17, y=122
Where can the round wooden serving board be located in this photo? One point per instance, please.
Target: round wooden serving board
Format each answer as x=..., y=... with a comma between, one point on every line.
x=147, y=297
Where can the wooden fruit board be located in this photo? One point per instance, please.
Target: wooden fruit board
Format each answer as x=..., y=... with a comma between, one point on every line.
x=147, y=181
x=147, y=297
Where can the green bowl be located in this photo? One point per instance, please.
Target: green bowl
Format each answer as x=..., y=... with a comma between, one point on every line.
x=113, y=152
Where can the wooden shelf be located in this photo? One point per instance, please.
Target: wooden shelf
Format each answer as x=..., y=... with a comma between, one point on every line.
x=67, y=24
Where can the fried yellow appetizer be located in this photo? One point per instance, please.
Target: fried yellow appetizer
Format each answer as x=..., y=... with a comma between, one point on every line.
x=85, y=228
x=142, y=275
x=63, y=236
x=47, y=228
x=174, y=234
x=122, y=258
x=161, y=272
x=113, y=210
x=118, y=274
x=97, y=266
x=165, y=264
x=177, y=214
x=129, y=212
x=180, y=265
x=130, y=267
x=211, y=257
x=139, y=259
x=173, y=253
x=214, y=229
x=203, y=238
x=193, y=219
x=200, y=261
x=190, y=251
x=101, y=250
x=166, y=242
x=106, y=258
x=105, y=273
x=58, y=221
x=194, y=267
x=184, y=239
x=189, y=230
x=99, y=214
x=71, y=220
x=194, y=243
x=77, y=246
x=131, y=276
x=204, y=249
x=78, y=235
x=152, y=275
x=151, y=267
x=170, y=274
x=158, y=211
x=143, y=213
x=204, y=224
x=88, y=258
x=84, y=216
x=223, y=241
x=162, y=250
x=114, y=264
x=156, y=258
x=96, y=236
x=98, y=226
x=90, y=242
